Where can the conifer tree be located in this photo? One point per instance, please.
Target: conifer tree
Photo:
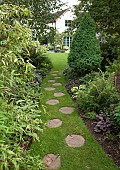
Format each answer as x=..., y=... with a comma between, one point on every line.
x=85, y=53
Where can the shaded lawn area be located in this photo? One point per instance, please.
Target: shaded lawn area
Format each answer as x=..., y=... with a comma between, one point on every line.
x=90, y=156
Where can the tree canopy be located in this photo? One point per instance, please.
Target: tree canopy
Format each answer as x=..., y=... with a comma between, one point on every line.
x=41, y=9
x=105, y=13
x=107, y=17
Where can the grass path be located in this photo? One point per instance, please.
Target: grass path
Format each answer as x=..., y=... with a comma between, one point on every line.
x=88, y=157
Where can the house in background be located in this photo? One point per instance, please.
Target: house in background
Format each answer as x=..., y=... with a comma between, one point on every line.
x=61, y=21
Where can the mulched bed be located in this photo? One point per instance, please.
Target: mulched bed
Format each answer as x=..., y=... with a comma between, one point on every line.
x=111, y=147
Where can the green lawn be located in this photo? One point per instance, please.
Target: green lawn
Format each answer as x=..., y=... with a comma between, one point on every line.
x=88, y=157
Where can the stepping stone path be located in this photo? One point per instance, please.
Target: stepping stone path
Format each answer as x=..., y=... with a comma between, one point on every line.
x=54, y=74
x=57, y=84
x=75, y=140
x=49, y=88
x=52, y=162
x=52, y=102
x=59, y=94
x=67, y=110
x=54, y=123
x=51, y=81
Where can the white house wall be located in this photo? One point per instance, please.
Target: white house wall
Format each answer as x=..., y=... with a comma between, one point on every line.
x=60, y=22
x=51, y=25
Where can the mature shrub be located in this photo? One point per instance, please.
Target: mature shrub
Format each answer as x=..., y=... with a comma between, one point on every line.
x=88, y=77
x=85, y=53
x=110, y=51
x=117, y=115
x=20, y=121
x=113, y=67
x=40, y=60
x=70, y=73
x=50, y=48
x=20, y=125
x=114, y=114
x=96, y=95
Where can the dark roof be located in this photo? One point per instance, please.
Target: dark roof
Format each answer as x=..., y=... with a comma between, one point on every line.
x=56, y=15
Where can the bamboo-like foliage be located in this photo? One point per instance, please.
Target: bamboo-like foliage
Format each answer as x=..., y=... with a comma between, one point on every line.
x=42, y=11
x=20, y=121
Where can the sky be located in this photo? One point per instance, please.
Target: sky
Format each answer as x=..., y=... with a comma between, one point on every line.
x=70, y=2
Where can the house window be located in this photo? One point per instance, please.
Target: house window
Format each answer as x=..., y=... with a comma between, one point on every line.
x=68, y=23
x=67, y=41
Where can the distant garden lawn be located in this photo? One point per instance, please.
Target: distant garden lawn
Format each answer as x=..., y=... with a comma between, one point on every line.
x=90, y=156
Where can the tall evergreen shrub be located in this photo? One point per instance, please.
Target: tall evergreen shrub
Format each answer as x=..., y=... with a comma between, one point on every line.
x=85, y=53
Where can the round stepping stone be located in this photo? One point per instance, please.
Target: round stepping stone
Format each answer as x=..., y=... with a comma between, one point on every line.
x=51, y=81
x=67, y=110
x=49, y=89
x=57, y=84
x=52, y=162
x=54, y=74
x=55, y=71
x=59, y=94
x=52, y=102
x=75, y=141
x=57, y=77
x=54, y=123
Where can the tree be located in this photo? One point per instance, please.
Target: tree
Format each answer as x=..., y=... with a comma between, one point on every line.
x=85, y=53
x=105, y=13
x=107, y=17
x=58, y=40
x=42, y=12
x=15, y=38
